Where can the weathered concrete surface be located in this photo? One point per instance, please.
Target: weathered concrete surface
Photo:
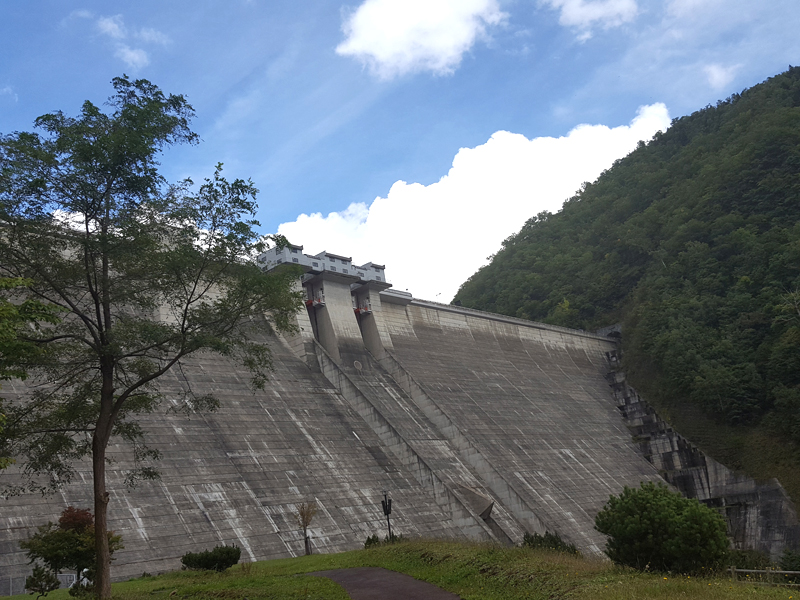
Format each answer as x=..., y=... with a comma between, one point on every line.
x=529, y=408
x=234, y=476
x=405, y=431
x=480, y=426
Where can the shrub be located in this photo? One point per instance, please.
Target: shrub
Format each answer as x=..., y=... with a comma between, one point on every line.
x=75, y=519
x=218, y=559
x=748, y=559
x=790, y=560
x=374, y=540
x=548, y=541
x=41, y=582
x=655, y=528
x=69, y=544
x=82, y=590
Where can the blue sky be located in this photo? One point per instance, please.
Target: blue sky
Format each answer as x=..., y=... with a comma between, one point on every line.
x=417, y=134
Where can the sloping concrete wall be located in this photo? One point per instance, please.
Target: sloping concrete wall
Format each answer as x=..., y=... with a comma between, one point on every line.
x=480, y=426
x=408, y=435
x=406, y=432
x=234, y=476
x=529, y=404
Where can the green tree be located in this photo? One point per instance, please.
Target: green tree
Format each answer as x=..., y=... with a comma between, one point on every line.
x=145, y=273
x=16, y=321
x=655, y=528
x=42, y=581
x=68, y=544
x=15, y=350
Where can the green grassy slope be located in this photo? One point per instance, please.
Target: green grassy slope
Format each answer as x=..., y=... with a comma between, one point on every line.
x=472, y=571
x=693, y=243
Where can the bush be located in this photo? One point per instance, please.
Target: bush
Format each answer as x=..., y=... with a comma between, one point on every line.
x=790, y=560
x=655, y=528
x=395, y=539
x=42, y=582
x=548, y=541
x=69, y=544
x=218, y=559
x=748, y=559
x=374, y=540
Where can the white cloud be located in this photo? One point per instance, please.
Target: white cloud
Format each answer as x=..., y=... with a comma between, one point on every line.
x=75, y=14
x=135, y=58
x=9, y=91
x=81, y=14
x=720, y=77
x=153, y=36
x=394, y=37
x=685, y=8
x=585, y=14
x=432, y=238
x=113, y=27
x=666, y=54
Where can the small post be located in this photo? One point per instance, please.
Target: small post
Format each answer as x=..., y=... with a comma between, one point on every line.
x=387, y=510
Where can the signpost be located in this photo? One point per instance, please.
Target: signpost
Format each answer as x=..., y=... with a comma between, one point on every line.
x=387, y=510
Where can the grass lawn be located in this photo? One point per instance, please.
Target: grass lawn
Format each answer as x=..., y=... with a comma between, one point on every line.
x=473, y=571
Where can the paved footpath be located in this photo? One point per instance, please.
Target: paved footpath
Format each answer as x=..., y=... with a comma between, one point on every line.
x=372, y=583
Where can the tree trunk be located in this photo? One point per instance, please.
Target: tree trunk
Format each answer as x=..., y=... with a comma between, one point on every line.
x=102, y=578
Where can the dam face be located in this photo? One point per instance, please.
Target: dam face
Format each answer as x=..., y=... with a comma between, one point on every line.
x=478, y=426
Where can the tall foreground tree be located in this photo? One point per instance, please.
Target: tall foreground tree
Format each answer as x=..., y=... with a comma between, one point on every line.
x=144, y=274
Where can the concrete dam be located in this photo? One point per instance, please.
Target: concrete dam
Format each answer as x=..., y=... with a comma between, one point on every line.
x=479, y=426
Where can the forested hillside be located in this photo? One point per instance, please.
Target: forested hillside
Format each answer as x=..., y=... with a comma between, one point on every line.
x=692, y=242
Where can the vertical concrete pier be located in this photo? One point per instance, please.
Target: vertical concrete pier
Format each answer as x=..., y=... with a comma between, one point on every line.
x=331, y=311
x=368, y=308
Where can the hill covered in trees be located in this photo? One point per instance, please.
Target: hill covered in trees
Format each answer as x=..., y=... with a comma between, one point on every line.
x=692, y=242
